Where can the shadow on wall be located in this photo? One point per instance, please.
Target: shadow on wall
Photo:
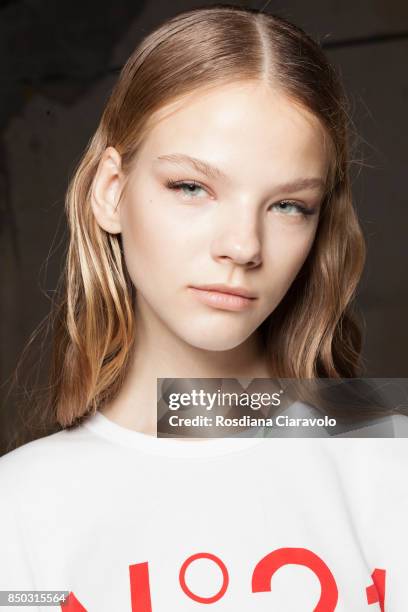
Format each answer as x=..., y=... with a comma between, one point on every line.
x=57, y=54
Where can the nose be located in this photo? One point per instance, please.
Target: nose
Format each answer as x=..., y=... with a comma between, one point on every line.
x=238, y=241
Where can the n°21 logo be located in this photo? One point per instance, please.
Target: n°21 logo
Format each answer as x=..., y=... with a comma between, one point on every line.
x=261, y=581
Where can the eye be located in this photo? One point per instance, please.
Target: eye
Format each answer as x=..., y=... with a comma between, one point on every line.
x=291, y=208
x=188, y=188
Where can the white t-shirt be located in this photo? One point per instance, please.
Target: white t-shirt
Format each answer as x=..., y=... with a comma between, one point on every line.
x=128, y=522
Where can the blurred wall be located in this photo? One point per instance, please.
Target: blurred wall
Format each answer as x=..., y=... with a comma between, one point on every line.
x=59, y=61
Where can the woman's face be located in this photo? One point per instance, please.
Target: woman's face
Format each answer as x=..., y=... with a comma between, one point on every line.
x=254, y=166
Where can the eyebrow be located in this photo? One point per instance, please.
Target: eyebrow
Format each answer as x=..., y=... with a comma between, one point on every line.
x=215, y=173
x=198, y=164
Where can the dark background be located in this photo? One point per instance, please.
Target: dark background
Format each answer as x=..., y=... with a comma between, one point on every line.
x=58, y=63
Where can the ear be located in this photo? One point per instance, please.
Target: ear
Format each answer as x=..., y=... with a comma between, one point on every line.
x=106, y=190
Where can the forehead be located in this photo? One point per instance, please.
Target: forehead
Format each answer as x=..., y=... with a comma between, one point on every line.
x=245, y=124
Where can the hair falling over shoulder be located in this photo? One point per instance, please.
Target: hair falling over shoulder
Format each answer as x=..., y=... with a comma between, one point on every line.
x=313, y=332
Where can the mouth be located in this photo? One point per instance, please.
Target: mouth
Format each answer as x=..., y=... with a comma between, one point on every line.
x=223, y=297
x=227, y=289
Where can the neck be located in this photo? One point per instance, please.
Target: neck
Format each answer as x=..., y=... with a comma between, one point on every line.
x=159, y=353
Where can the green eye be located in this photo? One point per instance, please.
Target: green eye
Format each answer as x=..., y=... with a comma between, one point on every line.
x=290, y=208
x=189, y=188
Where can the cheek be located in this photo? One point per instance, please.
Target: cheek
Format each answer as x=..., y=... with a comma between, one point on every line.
x=151, y=241
x=285, y=256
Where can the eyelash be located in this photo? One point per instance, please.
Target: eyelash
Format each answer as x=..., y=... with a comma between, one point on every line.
x=175, y=185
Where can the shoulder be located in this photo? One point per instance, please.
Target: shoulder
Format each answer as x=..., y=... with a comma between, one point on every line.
x=43, y=460
x=379, y=448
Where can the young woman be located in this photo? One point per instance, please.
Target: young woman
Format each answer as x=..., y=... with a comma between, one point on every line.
x=212, y=234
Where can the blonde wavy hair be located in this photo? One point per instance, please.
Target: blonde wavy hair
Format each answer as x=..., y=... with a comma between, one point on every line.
x=313, y=332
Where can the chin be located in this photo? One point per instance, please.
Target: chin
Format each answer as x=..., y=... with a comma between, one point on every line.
x=220, y=340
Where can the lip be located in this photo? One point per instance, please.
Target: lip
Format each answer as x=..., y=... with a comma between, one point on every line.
x=228, y=289
x=223, y=300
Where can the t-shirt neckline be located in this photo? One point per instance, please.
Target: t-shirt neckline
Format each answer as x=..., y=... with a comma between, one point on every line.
x=101, y=425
